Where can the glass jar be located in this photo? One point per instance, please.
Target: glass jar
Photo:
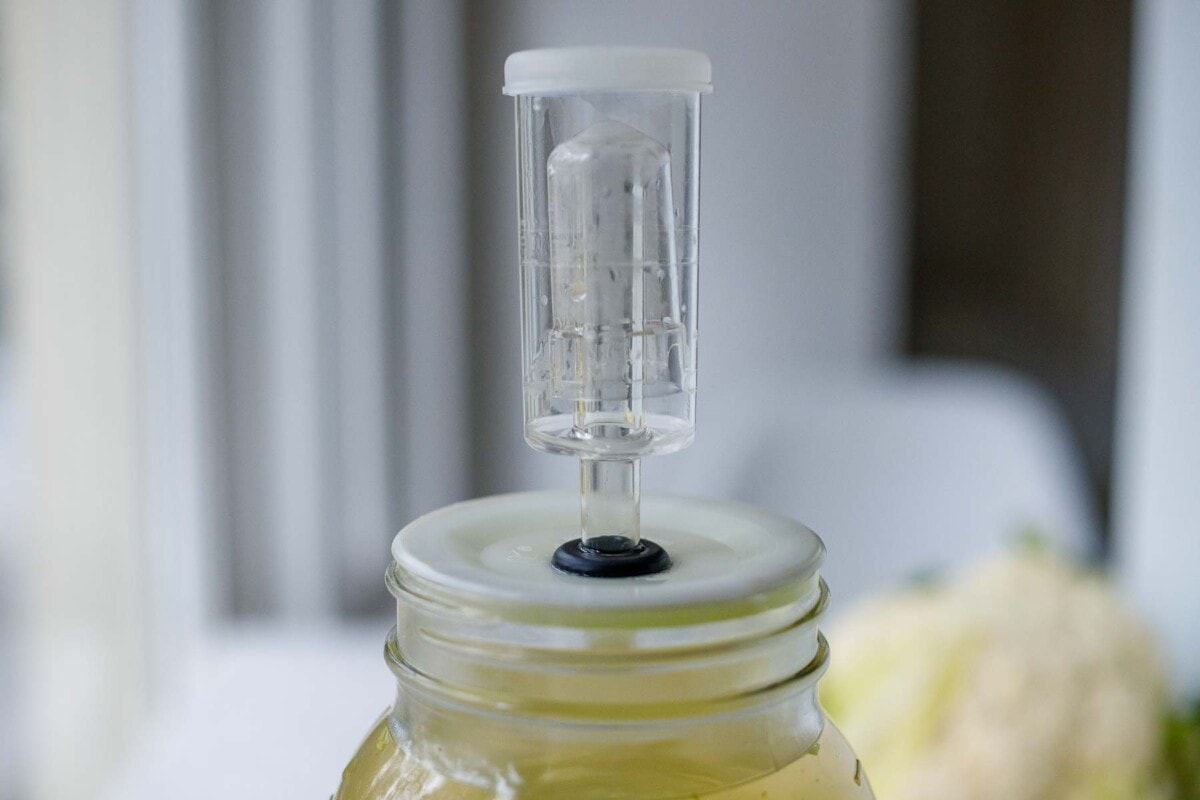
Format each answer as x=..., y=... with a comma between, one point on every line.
x=517, y=681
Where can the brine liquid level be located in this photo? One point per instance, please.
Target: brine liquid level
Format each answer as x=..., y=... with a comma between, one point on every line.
x=380, y=771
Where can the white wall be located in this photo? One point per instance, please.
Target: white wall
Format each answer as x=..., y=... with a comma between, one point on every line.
x=75, y=366
x=1157, y=492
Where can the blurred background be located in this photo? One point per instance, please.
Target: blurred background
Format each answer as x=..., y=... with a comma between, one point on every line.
x=259, y=310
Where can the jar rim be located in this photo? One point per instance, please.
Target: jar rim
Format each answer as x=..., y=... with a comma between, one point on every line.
x=605, y=715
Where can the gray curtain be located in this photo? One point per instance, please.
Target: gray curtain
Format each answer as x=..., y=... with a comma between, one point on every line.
x=332, y=137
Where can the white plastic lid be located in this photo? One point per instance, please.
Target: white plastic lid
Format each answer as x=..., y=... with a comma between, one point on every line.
x=576, y=70
x=499, y=548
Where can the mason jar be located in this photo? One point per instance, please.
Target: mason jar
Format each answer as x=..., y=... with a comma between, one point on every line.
x=516, y=680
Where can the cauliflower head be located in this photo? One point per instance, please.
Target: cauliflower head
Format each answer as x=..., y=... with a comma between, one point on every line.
x=1022, y=679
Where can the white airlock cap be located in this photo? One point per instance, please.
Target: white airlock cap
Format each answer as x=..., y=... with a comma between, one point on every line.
x=577, y=70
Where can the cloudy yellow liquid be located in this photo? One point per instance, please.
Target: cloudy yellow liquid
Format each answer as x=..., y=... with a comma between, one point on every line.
x=381, y=771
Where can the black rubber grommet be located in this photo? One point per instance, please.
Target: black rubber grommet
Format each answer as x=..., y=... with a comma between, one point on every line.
x=646, y=559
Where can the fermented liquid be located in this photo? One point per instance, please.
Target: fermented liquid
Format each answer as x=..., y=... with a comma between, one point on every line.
x=381, y=771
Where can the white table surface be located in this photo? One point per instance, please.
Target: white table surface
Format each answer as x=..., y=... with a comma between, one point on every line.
x=272, y=712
